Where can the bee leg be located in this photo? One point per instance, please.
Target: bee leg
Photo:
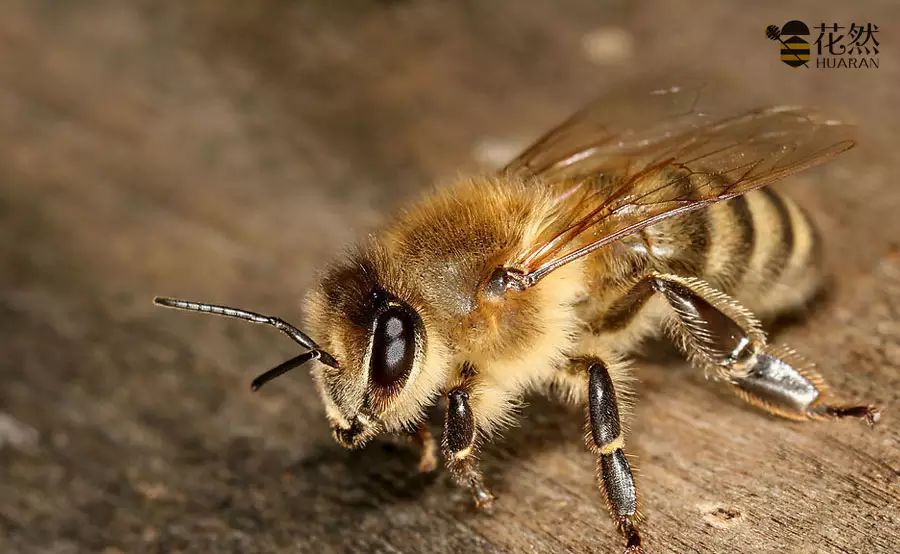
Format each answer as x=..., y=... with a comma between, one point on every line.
x=606, y=439
x=428, y=460
x=719, y=334
x=782, y=382
x=458, y=446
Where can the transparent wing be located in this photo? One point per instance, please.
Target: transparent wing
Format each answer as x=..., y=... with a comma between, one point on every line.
x=599, y=137
x=685, y=161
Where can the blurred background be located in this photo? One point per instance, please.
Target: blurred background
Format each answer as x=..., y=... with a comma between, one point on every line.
x=225, y=150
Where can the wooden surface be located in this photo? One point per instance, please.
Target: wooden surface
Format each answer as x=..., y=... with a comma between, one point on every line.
x=223, y=150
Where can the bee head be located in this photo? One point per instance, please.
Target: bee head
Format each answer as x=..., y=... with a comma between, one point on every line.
x=377, y=330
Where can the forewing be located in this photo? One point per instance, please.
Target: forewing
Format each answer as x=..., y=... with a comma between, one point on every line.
x=694, y=162
x=598, y=137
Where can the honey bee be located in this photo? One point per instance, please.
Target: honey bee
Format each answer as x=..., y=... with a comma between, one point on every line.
x=617, y=225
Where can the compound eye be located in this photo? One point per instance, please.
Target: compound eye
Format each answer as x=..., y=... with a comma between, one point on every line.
x=393, y=347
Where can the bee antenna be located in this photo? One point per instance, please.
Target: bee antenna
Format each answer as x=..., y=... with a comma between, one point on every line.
x=297, y=335
x=283, y=368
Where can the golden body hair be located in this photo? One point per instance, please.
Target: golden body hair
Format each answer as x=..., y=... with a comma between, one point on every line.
x=438, y=255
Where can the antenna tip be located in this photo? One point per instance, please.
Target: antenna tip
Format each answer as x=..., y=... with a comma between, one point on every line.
x=164, y=301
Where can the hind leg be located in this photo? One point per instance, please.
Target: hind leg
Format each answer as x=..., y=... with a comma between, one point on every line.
x=721, y=336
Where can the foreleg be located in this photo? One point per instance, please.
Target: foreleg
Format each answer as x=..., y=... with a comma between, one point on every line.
x=459, y=446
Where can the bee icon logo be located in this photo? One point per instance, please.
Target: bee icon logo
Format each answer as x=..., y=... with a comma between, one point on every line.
x=794, y=48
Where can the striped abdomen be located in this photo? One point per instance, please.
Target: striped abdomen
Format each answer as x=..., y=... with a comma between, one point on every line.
x=782, y=268
x=760, y=248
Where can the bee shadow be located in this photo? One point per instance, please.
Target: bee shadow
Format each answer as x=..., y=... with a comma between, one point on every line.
x=383, y=473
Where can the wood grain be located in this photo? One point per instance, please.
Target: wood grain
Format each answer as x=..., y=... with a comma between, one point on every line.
x=224, y=150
